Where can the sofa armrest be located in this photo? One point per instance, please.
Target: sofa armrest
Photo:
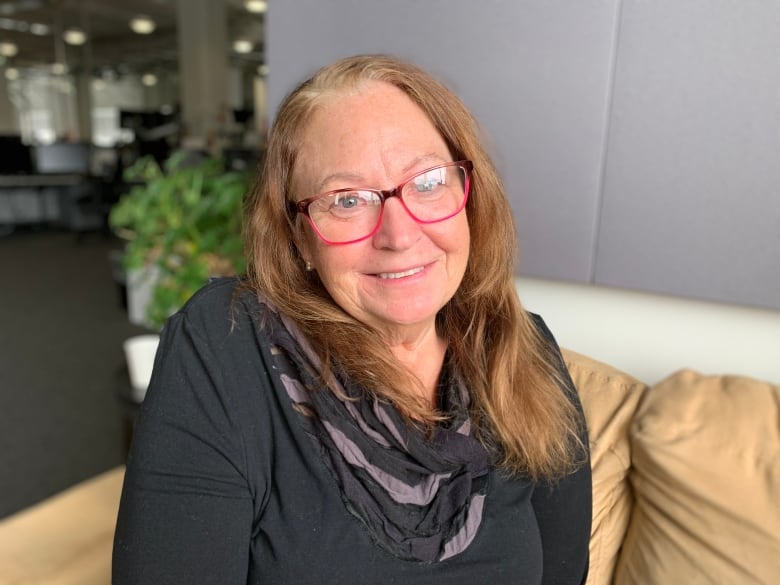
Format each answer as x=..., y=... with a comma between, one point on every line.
x=609, y=399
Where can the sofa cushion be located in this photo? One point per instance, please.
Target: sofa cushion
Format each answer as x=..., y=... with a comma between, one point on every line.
x=706, y=478
x=66, y=539
x=609, y=398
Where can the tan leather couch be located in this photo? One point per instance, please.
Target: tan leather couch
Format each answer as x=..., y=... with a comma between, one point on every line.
x=686, y=477
x=686, y=481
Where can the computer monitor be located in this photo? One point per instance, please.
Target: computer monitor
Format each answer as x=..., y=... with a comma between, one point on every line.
x=63, y=157
x=16, y=158
x=103, y=161
x=242, y=115
x=242, y=159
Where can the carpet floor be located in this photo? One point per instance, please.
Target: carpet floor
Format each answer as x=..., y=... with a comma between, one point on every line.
x=62, y=324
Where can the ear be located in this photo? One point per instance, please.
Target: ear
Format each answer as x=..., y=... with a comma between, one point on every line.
x=302, y=243
x=301, y=232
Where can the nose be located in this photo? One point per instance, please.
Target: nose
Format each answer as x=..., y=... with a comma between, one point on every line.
x=398, y=230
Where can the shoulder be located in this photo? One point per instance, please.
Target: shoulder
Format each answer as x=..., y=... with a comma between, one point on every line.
x=223, y=307
x=548, y=339
x=556, y=358
x=217, y=293
x=542, y=329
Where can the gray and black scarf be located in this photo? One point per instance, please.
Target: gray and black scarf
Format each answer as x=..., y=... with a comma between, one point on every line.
x=419, y=494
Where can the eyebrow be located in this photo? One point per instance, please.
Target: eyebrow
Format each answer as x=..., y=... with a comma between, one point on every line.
x=345, y=176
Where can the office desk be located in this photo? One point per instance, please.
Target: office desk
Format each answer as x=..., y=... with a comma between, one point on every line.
x=42, y=181
x=41, y=198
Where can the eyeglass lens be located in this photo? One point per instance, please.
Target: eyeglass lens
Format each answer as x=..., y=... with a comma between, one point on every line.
x=433, y=195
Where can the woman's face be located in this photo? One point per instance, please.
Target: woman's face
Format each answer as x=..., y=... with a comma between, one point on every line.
x=399, y=278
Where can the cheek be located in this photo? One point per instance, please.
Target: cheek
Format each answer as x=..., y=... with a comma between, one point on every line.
x=464, y=233
x=459, y=249
x=464, y=236
x=454, y=239
x=334, y=264
x=338, y=275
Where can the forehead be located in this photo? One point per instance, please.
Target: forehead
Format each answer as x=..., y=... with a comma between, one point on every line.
x=373, y=133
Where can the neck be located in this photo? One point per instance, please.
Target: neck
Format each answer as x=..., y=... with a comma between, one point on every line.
x=423, y=358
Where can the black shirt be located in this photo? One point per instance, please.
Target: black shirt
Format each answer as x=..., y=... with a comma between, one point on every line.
x=223, y=485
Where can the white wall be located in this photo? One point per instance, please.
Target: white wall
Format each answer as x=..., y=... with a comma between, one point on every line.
x=650, y=336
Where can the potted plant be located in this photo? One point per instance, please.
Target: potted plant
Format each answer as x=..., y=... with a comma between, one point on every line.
x=182, y=225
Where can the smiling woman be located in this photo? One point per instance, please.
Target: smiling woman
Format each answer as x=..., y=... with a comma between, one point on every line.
x=375, y=135
x=371, y=399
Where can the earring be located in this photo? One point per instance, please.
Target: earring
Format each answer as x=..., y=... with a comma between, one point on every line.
x=309, y=266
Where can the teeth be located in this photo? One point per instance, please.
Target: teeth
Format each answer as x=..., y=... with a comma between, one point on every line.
x=400, y=274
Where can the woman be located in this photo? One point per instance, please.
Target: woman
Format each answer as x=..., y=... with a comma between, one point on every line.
x=371, y=404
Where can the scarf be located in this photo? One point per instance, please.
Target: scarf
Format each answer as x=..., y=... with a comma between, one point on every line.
x=419, y=495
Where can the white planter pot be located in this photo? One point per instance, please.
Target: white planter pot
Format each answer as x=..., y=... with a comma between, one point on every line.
x=140, y=284
x=139, y=353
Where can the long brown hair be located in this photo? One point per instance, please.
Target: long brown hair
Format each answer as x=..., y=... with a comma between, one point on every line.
x=518, y=405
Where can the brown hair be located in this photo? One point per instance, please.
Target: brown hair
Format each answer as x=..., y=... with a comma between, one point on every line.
x=517, y=400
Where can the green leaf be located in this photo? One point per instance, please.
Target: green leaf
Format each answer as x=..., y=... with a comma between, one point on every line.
x=185, y=219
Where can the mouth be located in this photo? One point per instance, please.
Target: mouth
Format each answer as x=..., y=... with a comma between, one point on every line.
x=404, y=274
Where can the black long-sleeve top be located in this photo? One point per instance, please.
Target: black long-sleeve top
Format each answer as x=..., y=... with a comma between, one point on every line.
x=223, y=486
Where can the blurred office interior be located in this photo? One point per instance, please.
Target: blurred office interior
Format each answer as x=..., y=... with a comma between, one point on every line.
x=87, y=87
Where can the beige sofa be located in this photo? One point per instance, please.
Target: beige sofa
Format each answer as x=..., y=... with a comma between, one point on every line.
x=686, y=477
x=686, y=481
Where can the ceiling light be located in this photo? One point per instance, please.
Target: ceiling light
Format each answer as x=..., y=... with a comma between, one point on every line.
x=59, y=68
x=262, y=70
x=12, y=73
x=242, y=46
x=8, y=49
x=256, y=6
x=149, y=79
x=143, y=25
x=74, y=36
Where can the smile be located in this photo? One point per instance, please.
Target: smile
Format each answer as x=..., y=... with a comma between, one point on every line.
x=392, y=275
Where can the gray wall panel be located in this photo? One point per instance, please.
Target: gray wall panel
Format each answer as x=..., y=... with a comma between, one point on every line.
x=534, y=72
x=692, y=190
x=639, y=141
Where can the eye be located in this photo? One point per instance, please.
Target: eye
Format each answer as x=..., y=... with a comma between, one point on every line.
x=348, y=200
x=430, y=180
x=349, y=204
